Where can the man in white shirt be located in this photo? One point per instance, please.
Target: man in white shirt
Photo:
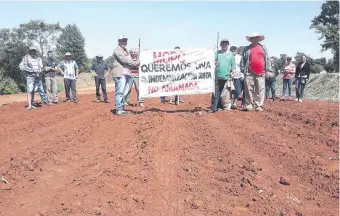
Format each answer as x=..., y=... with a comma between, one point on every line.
x=238, y=78
x=69, y=68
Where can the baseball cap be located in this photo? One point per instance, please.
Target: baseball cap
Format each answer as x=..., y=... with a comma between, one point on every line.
x=122, y=37
x=225, y=40
x=33, y=48
x=68, y=54
x=99, y=56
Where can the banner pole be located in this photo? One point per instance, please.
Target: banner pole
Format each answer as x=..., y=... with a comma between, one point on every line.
x=138, y=47
x=213, y=94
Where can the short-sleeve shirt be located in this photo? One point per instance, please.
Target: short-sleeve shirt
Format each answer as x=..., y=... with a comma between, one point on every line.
x=226, y=64
x=50, y=63
x=69, y=69
x=100, y=69
x=256, y=61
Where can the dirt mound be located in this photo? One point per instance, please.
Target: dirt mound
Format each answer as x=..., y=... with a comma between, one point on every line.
x=319, y=87
x=72, y=159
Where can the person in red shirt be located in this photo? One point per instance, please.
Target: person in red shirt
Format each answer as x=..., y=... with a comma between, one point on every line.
x=254, y=65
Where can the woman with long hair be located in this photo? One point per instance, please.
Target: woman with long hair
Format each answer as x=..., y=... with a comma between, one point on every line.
x=301, y=77
x=288, y=76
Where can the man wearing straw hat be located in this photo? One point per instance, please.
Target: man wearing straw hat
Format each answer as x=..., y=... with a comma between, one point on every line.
x=122, y=64
x=254, y=65
x=69, y=68
x=100, y=70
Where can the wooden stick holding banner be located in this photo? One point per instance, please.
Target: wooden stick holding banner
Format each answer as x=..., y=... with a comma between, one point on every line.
x=139, y=110
x=213, y=94
x=138, y=47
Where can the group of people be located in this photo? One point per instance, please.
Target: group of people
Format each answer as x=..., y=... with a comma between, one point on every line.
x=252, y=74
x=34, y=66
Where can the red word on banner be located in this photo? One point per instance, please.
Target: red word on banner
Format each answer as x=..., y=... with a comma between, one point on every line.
x=167, y=57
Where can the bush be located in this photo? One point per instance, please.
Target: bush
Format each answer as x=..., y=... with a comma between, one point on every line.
x=60, y=87
x=8, y=86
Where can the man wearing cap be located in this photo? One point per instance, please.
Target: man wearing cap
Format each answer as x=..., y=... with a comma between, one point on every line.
x=122, y=64
x=69, y=68
x=225, y=68
x=50, y=68
x=100, y=70
x=254, y=65
x=134, y=79
x=33, y=66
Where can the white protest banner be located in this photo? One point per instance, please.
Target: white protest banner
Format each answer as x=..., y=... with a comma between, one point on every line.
x=176, y=72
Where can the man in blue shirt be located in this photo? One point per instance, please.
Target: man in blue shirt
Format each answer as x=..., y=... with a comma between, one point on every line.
x=100, y=70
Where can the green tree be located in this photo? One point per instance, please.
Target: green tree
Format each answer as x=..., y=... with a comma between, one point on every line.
x=41, y=33
x=327, y=25
x=281, y=61
x=13, y=46
x=71, y=40
x=298, y=58
x=321, y=61
x=240, y=50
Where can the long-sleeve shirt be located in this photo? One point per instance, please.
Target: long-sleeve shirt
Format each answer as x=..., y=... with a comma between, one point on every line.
x=32, y=66
x=122, y=62
x=303, y=72
x=289, y=71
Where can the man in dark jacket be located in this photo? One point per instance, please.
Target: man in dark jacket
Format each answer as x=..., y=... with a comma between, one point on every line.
x=50, y=68
x=301, y=77
x=100, y=70
x=271, y=78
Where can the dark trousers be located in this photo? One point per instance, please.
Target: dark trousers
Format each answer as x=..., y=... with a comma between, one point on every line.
x=270, y=87
x=300, y=84
x=70, y=84
x=100, y=83
x=216, y=99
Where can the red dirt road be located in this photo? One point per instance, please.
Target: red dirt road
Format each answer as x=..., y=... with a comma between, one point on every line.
x=72, y=159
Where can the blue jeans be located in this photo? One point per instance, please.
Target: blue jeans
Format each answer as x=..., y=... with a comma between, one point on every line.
x=270, y=87
x=238, y=83
x=287, y=82
x=119, y=93
x=121, y=89
x=300, y=84
x=34, y=84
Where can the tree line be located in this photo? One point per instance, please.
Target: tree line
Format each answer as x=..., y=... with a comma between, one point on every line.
x=15, y=43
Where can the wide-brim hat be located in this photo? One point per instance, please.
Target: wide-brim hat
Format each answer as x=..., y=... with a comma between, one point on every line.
x=68, y=54
x=255, y=35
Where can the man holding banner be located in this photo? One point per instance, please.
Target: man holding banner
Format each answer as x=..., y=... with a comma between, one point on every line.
x=225, y=67
x=177, y=97
x=122, y=62
x=134, y=80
